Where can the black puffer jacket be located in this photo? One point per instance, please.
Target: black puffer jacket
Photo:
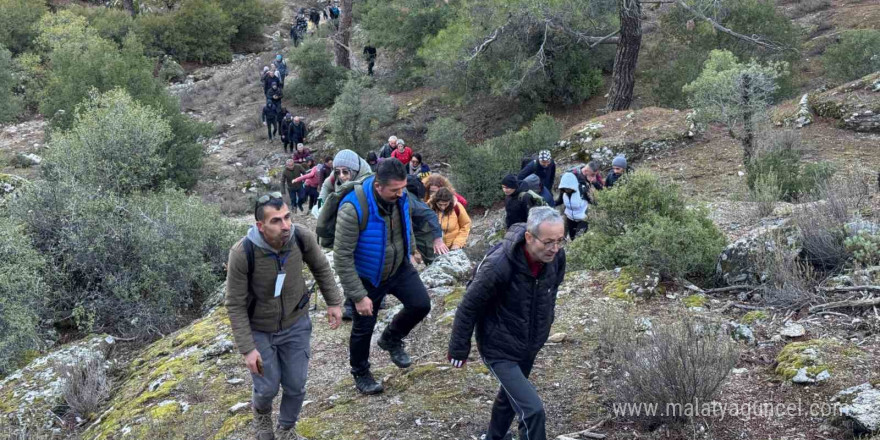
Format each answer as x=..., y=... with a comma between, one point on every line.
x=511, y=310
x=517, y=205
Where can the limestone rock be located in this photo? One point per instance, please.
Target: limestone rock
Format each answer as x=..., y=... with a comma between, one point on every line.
x=742, y=332
x=28, y=396
x=793, y=330
x=447, y=270
x=557, y=338
x=861, y=404
x=804, y=115
x=736, y=264
x=801, y=377
x=239, y=407
x=855, y=105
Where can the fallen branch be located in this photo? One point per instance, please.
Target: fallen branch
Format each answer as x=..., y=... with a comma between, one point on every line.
x=738, y=306
x=588, y=433
x=870, y=302
x=754, y=39
x=844, y=289
x=731, y=289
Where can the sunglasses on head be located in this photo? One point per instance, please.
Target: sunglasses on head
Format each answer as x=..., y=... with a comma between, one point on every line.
x=266, y=198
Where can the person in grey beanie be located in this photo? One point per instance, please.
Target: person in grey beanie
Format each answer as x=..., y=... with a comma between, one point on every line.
x=618, y=169
x=347, y=165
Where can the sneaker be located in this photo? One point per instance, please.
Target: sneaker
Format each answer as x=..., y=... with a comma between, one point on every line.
x=366, y=384
x=395, y=349
x=288, y=434
x=263, y=426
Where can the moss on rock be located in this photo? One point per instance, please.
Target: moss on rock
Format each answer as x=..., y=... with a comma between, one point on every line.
x=812, y=355
x=753, y=317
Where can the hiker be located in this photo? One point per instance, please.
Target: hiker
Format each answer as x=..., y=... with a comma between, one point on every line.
x=402, y=152
x=372, y=160
x=370, y=54
x=285, y=131
x=575, y=203
x=263, y=76
x=298, y=131
x=519, y=200
x=275, y=94
x=388, y=148
x=270, y=118
x=434, y=182
x=295, y=190
x=534, y=183
x=314, y=18
x=302, y=153
x=345, y=166
x=510, y=302
x=269, y=80
x=453, y=218
x=299, y=27
x=313, y=180
x=618, y=168
x=267, y=303
x=544, y=167
x=280, y=68
x=383, y=204
x=332, y=13
x=416, y=167
x=593, y=176
x=426, y=225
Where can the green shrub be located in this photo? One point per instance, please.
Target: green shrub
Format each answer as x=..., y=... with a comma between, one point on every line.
x=446, y=134
x=18, y=23
x=479, y=169
x=21, y=290
x=864, y=248
x=110, y=23
x=794, y=179
x=10, y=104
x=248, y=17
x=171, y=70
x=358, y=112
x=856, y=54
x=114, y=145
x=318, y=81
x=31, y=75
x=676, y=57
x=138, y=265
x=765, y=193
x=202, y=32
x=646, y=223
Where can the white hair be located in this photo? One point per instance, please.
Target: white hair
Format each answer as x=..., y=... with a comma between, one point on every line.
x=540, y=215
x=392, y=139
x=401, y=142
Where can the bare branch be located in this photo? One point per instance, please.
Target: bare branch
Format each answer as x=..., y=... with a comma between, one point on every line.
x=486, y=43
x=754, y=39
x=605, y=40
x=540, y=58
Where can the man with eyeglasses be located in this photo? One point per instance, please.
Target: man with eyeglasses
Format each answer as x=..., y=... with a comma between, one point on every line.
x=511, y=303
x=374, y=261
x=267, y=303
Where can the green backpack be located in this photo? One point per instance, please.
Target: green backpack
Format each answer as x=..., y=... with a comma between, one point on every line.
x=326, y=228
x=533, y=198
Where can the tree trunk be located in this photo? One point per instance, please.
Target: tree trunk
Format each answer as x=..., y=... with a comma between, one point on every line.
x=128, y=5
x=623, y=79
x=343, y=36
x=748, y=139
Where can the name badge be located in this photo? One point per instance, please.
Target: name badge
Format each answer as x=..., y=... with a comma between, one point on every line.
x=279, y=283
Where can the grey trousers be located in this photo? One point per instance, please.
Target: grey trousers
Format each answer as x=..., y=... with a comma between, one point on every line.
x=517, y=397
x=286, y=364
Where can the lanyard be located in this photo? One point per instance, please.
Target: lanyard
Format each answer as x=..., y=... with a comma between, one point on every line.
x=281, y=260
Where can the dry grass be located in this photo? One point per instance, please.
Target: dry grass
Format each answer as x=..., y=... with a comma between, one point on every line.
x=806, y=7
x=86, y=385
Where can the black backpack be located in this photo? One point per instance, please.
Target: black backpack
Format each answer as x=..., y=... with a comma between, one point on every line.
x=491, y=250
x=251, y=262
x=334, y=12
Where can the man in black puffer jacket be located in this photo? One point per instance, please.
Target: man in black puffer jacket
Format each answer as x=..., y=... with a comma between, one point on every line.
x=511, y=302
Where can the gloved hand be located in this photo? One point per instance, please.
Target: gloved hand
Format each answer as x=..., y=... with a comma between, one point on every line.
x=457, y=363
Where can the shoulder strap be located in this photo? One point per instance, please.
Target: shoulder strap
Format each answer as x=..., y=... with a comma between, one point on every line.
x=491, y=250
x=365, y=208
x=249, y=253
x=299, y=242
x=455, y=208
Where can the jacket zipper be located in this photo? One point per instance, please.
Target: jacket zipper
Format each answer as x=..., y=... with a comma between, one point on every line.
x=534, y=312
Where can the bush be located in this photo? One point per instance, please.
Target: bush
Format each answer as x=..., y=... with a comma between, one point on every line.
x=18, y=23
x=645, y=222
x=202, y=32
x=139, y=265
x=171, y=70
x=446, y=134
x=85, y=385
x=788, y=280
x=21, y=289
x=865, y=248
x=318, y=81
x=358, y=112
x=248, y=18
x=781, y=156
x=10, y=104
x=673, y=365
x=478, y=170
x=856, y=54
x=114, y=145
x=765, y=193
x=110, y=23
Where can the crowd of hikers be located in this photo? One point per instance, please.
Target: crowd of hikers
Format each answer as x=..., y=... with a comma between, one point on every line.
x=382, y=215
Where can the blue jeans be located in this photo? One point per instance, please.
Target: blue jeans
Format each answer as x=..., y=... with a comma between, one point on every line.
x=286, y=365
x=297, y=197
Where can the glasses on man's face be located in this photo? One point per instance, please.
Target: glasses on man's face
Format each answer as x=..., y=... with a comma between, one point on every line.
x=558, y=244
x=342, y=172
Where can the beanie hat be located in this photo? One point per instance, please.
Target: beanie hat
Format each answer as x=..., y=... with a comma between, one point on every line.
x=372, y=158
x=265, y=69
x=544, y=155
x=619, y=161
x=509, y=181
x=348, y=159
x=534, y=182
x=278, y=57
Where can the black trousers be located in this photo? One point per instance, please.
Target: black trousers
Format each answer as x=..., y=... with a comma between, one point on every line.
x=312, y=194
x=271, y=128
x=517, y=397
x=575, y=228
x=408, y=288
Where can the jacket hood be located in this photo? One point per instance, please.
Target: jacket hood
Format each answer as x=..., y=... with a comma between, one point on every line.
x=256, y=238
x=533, y=182
x=521, y=188
x=568, y=181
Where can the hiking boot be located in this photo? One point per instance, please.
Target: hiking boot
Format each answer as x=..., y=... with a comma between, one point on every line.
x=366, y=384
x=395, y=350
x=288, y=434
x=263, y=426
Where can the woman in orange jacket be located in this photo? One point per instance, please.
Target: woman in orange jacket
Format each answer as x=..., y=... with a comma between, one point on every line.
x=454, y=219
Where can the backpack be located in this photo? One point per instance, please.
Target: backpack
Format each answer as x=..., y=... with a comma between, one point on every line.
x=461, y=200
x=326, y=228
x=533, y=198
x=281, y=67
x=334, y=12
x=251, y=262
x=527, y=159
x=492, y=249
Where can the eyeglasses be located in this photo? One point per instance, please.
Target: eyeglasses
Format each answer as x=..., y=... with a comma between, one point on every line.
x=559, y=244
x=265, y=199
x=342, y=172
